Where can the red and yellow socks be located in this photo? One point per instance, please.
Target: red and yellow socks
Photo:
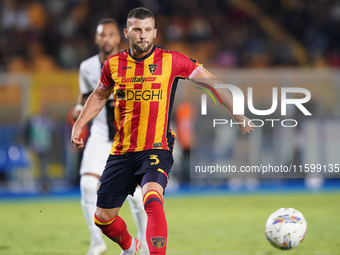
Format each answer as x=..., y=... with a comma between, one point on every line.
x=156, y=229
x=116, y=230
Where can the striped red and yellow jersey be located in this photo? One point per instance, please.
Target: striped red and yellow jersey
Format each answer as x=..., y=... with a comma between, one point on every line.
x=144, y=91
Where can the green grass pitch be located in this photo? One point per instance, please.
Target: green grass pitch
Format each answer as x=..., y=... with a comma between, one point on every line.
x=207, y=225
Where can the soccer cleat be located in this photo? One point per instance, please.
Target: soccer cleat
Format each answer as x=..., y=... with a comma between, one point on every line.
x=97, y=249
x=135, y=244
x=144, y=249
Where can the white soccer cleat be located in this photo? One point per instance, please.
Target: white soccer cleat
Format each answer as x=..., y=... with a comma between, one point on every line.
x=144, y=249
x=135, y=246
x=97, y=249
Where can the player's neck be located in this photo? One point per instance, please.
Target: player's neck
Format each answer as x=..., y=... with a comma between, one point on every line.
x=103, y=57
x=138, y=54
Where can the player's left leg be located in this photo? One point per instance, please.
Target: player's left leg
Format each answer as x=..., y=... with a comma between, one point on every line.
x=156, y=167
x=140, y=218
x=157, y=230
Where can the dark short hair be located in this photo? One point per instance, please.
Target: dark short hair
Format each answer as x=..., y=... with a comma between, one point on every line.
x=108, y=21
x=140, y=13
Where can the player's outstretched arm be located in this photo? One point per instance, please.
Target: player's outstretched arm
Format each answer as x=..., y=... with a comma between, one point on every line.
x=92, y=107
x=205, y=79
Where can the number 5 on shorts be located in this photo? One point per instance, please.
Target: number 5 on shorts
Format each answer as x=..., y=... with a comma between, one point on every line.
x=155, y=157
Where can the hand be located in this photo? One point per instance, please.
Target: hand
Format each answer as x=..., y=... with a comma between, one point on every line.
x=77, y=142
x=76, y=111
x=246, y=126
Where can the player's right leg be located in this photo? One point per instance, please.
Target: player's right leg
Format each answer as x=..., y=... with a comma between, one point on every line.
x=114, y=227
x=116, y=183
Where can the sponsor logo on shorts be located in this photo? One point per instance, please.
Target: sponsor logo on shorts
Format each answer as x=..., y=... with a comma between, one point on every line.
x=158, y=242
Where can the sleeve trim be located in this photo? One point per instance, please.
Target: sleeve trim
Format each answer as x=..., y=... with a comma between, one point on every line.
x=102, y=86
x=196, y=71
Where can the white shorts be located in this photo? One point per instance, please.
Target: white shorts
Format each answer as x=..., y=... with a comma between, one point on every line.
x=95, y=155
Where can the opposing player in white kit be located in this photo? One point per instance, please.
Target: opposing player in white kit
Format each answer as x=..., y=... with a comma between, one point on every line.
x=99, y=143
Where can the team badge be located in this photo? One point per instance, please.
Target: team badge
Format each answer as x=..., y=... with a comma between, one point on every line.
x=152, y=68
x=117, y=239
x=158, y=242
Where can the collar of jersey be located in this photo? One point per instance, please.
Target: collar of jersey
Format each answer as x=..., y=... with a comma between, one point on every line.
x=144, y=57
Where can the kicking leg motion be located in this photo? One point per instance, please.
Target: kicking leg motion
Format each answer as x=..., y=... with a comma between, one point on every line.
x=114, y=227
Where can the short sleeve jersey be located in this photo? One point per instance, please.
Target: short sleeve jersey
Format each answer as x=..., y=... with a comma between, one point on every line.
x=144, y=91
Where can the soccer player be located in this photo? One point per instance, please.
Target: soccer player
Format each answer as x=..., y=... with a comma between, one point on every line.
x=143, y=81
x=98, y=146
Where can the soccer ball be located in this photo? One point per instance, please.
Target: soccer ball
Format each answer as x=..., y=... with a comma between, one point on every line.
x=286, y=228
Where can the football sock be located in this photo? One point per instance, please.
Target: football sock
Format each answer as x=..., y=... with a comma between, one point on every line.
x=88, y=188
x=156, y=230
x=116, y=230
x=138, y=213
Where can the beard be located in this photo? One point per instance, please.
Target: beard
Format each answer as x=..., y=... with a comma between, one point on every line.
x=142, y=49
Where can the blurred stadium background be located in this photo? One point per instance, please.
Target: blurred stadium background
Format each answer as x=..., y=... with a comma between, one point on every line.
x=254, y=43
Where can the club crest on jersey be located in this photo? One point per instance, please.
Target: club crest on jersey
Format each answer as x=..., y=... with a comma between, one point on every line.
x=152, y=68
x=158, y=241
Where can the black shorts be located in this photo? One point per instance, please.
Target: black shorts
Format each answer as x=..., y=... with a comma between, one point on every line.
x=123, y=173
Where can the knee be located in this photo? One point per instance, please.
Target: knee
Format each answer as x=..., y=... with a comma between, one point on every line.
x=152, y=200
x=88, y=188
x=104, y=215
x=89, y=184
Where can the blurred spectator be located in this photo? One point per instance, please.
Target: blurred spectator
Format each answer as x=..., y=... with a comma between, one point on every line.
x=64, y=28
x=199, y=29
x=39, y=137
x=315, y=24
x=185, y=135
x=176, y=29
x=14, y=16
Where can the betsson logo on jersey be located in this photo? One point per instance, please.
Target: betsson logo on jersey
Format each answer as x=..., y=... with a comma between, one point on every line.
x=137, y=79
